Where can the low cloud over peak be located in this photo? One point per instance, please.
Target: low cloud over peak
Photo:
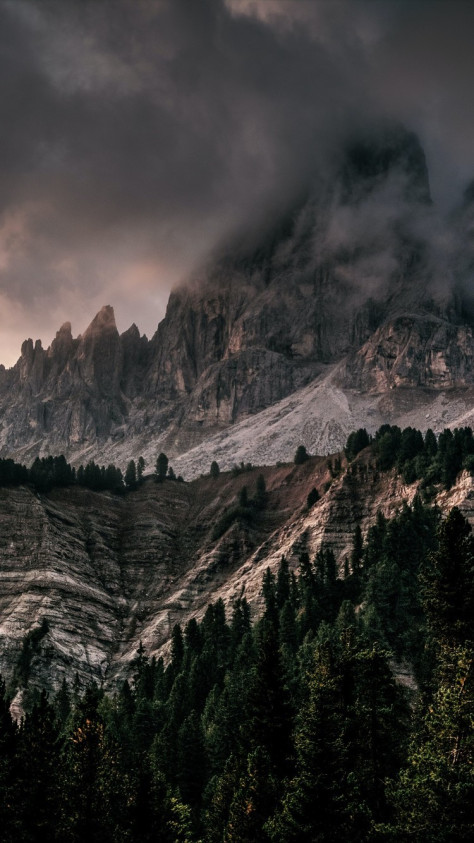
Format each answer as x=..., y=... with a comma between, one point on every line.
x=137, y=135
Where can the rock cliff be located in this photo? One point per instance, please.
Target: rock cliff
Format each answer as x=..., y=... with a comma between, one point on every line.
x=267, y=315
x=85, y=576
x=332, y=318
x=345, y=284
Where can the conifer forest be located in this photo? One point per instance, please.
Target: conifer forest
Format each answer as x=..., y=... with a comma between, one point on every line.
x=343, y=713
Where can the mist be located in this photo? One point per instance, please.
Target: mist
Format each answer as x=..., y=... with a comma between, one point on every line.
x=138, y=135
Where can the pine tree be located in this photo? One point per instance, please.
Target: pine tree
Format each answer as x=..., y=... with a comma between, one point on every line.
x=357, y=551
x=283, y=583
x=243, y=497
x=252, y=800
x=221, y=793
x=140, y=469
x=192, y=760
x=301, y=455
x=161, y=467
x=177, y=648
x=314, y=805
x=39, y=782
x=448, y=582
x=433, y=800
x=269, y=711
x=131, y=475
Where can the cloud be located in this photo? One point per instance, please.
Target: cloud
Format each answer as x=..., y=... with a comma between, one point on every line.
x=136, y=134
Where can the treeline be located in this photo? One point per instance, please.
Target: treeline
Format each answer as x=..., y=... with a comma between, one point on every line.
x=434, y=461
x=288, y=729
x=47, y=473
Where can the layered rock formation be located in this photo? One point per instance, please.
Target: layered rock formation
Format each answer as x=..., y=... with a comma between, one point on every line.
x=334, y=317
x=86, y=576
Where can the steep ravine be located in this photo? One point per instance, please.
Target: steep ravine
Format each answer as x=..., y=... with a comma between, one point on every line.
x=106, y=572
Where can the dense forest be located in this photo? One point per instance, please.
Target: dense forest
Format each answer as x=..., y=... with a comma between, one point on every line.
x=47, y=473
x=294, y=727
x=344, y=712
x=435, y=461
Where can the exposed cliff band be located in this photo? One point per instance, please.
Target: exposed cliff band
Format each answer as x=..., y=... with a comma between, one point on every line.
x=346, y=277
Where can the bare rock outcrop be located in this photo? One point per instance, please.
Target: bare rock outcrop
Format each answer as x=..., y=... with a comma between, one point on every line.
x=261, y=320
x=412, y=351
x=344, y=278
x=84, y=577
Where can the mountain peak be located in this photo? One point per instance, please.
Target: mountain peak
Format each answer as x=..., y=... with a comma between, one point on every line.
x=103, y=321
x=65, y=330
x=132, y=331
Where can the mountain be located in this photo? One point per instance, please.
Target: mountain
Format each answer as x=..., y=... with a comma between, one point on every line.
x=344, y=294
x=347, y=311
x=86, y=576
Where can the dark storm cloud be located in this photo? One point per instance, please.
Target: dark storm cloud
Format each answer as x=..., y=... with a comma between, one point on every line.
x=136, y=134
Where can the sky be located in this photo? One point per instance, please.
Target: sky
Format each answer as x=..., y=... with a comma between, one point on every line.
x=138, y=134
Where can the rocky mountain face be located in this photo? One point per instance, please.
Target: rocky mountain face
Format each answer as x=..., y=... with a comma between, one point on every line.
x=87, y=576
x=344, y=283
x=341, y=314
x=412, y=351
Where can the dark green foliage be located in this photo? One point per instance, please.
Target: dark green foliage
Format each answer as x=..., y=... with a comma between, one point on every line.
x=301, y=455
x=430, y=444
x=99, y=478
x=8, y=767
x=161, y=467
x=192, y=761
x=387, y=445
x=215, y=471
x=334, y=467
x=39, y=785
x=433, y=797
x=177, y=649
x=357, y=551
x=313, y=497
x=448, y=583
x=12, y=473
x=288, y=729
x=48, y=472
x=356, y=442
x=140, y=469
x=391, y=561
x=131, y=475
x=243, y=497
x=253, y=798
x=434, y=462
x=283, y=584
